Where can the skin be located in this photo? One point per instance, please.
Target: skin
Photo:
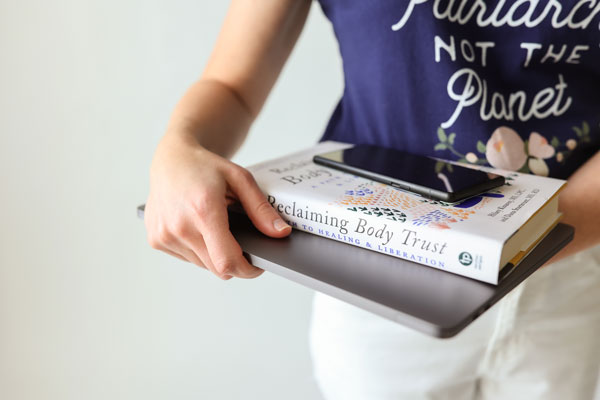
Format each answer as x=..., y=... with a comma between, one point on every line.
x=580, y=204
x=192, y=181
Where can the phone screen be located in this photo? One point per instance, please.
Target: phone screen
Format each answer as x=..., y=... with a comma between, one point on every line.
x=419, y=174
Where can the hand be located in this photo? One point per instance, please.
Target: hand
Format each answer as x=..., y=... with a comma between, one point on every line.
x=186, y=211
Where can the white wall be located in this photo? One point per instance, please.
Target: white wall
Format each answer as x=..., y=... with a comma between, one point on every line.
x=87, y=309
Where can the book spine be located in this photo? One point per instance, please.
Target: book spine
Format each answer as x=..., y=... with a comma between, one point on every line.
x=451, y=251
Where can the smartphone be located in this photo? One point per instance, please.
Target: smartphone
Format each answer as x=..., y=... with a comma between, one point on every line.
x=413, y=173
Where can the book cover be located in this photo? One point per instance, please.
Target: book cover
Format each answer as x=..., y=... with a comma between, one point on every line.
x=467, y=238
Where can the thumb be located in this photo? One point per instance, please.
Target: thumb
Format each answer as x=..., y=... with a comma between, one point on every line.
x=262, y=215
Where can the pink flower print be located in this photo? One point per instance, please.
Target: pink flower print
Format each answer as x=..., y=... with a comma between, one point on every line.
x=538, y=146
x=505, y=149
x=539, y=149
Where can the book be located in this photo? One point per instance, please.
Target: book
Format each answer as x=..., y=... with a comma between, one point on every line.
x=483, y=237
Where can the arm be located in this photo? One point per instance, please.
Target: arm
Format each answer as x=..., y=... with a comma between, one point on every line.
x=191, y=180
x=255, y=41
x=580, y=204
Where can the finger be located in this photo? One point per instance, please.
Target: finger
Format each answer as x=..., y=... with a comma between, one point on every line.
x=183, y=253
x=172, y=253
x=224, y=252
x=203, y=262
x=195, y=246
x=180, y=240
x=260, y=212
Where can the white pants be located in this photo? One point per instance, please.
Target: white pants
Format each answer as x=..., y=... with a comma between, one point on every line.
x=542, y=341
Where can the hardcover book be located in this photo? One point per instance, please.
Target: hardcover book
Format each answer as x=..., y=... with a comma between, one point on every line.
x=483, y=237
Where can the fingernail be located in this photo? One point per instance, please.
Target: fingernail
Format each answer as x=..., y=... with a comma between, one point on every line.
x=280, y=224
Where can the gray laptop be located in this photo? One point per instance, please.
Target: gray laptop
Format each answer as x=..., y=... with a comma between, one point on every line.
x=431, y=301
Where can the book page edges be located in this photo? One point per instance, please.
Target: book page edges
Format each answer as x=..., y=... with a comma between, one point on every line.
x=527, y=233
x=521, y=255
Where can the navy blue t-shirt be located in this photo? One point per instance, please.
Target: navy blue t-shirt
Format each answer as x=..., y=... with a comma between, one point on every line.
x=514, y=84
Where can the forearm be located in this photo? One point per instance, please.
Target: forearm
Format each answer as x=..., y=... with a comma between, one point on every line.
x=256, y=40
x=211, y=115
x=580, y=204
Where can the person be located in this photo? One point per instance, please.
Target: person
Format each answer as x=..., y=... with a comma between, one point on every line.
x=512, y=84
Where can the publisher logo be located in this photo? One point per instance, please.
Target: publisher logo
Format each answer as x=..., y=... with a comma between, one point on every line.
x=465, y=258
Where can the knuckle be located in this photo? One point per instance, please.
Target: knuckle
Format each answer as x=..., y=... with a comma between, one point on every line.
x=243, y=175
x=264, y=207
x=154, y=242
x=179, y=228
x=164, y=237
x=159, y=240
x=201, y=205
x=225, y=267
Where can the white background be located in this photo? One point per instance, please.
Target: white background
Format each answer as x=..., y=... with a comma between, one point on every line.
x=87, y=309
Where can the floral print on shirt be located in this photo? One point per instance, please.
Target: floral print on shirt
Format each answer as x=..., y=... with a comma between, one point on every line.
x=505, y=149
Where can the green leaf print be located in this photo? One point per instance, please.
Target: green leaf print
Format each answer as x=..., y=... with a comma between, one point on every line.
x=586, y=128
x=451, y=138
x=440, y=146
x=441, y=134
x=524, y=169
x=439, y=166
x=480, y=147
x=555, y=142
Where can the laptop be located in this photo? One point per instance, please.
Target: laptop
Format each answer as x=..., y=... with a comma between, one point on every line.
x=434, y=302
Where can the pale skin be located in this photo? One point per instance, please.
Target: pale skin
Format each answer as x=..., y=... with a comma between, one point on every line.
x=192, y=181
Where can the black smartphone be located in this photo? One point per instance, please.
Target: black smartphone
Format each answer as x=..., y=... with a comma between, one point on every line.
x=417, y=174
